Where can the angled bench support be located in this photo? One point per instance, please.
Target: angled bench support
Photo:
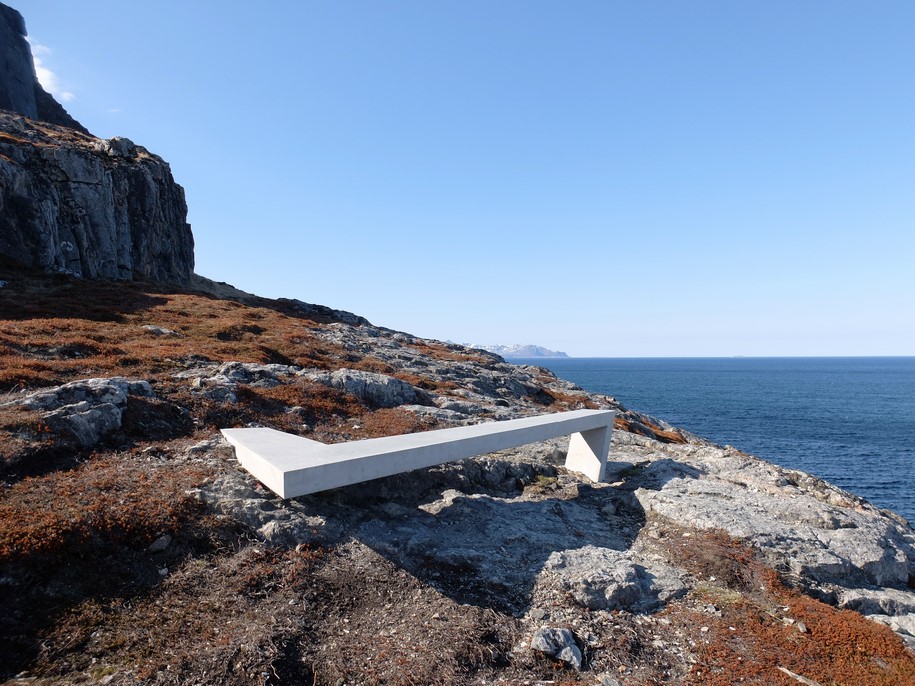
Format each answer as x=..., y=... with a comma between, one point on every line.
x=292, y=466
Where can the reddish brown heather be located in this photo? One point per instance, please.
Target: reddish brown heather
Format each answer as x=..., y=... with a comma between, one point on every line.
x=42, y=311
x=765, y=625
x=624, y=423
x=440, y=351
x=115, y=499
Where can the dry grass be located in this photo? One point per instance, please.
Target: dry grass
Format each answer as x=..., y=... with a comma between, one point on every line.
x=75, y=536
x=390, y=422
x=223, y=632
x=74, y=525
x=115, y=499
x=51, y=331
x=372, y=364
x=53, y=136
x=440, y=351
x=318, y=405
x=570, y=401
x=764, y=625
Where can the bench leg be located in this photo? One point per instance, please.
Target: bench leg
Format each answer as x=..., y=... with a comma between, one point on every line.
x=588, y=452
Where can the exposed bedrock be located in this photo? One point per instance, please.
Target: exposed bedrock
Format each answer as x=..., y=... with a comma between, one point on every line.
x=94, y=208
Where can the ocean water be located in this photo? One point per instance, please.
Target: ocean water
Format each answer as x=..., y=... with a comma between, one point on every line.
x=849, y=420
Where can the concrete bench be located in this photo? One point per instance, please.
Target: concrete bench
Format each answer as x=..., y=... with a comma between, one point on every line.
x=292, y=466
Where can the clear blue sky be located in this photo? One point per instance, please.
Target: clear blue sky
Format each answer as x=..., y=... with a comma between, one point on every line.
x=604, y=178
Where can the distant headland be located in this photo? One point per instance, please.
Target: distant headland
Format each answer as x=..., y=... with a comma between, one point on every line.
x=516, y=351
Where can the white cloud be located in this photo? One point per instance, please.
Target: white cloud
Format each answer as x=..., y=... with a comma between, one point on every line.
x=46, y=77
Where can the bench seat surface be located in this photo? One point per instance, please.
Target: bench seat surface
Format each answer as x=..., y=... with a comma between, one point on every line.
x=292, y=465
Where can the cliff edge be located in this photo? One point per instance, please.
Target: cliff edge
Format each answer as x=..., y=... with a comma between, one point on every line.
x=74, y=203
x=19, y=88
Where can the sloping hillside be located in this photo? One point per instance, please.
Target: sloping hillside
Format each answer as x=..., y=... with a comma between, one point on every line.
x=133, y=549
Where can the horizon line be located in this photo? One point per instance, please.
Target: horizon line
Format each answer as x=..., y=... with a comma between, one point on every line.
x=708, y=357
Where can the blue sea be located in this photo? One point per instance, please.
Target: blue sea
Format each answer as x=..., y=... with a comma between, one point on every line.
x=848, y=420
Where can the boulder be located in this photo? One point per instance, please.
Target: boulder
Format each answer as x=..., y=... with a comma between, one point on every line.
x=376, y=390
x=85, y=410
x=559, y=644
x=113, y=390
x=251, y=373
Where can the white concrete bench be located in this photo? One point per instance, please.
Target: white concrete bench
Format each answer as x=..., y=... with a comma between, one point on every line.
x=292, y=466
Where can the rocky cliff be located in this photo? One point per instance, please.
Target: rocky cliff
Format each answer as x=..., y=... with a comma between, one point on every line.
x=94, y=208
x=135, y=550
x=74, y=203
x=19, y=89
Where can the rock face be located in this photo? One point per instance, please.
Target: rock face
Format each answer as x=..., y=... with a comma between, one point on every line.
x=93, y=208
x=379, y=390
x=70, y=202
x=19, y=88
x=17, y=92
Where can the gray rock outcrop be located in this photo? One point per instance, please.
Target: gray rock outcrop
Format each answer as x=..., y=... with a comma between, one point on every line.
x=512, y=531
x=378, y=390
x=606, y=579
x=85, y=410
x=310, y=309
x=93, y=208
x=219, y=382
x=807, y=529
x=521, y=546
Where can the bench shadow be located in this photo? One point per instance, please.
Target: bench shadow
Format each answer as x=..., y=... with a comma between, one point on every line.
x=487, y=546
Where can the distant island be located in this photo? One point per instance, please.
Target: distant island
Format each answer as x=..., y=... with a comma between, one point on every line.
x=516, y=351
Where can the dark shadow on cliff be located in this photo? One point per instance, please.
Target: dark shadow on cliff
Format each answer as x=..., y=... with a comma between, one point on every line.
x=320, y=314
x=31, y=293
x=482, y=545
